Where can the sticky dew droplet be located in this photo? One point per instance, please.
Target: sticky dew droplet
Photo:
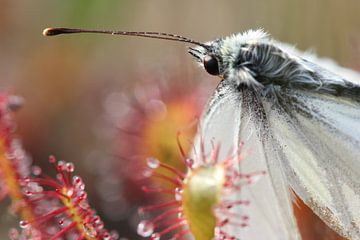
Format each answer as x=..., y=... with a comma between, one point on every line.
x=178, y=194
x=145, y=228
x=24, y=224
x=153, y=163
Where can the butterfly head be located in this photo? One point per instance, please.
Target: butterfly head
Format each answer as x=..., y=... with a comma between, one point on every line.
x=231, y=56
x=209, y=57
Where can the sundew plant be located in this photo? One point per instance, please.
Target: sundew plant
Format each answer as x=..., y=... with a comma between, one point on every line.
x=197, y=200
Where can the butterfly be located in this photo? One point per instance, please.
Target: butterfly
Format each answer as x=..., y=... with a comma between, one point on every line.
x=301, y=121
x=299, y=117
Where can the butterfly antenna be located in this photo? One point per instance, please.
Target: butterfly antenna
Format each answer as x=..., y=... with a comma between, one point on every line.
x=156, y=35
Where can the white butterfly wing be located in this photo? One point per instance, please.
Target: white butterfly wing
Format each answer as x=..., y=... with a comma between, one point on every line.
x=319, y=145
x=229, y=120
x=306, y=140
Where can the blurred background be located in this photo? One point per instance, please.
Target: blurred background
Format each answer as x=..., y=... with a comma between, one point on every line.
x=68, y=82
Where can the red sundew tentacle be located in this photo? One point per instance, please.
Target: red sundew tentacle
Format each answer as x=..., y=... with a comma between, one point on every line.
x=70, y=169
x=61, y=169
x=202, y=149
x=63, y=231
x=248, y=175
x=232, y=188
x=221, y=235
x=165, y=214
x=230, y=204
x=246, y=179
x=223, y=222
x=238, y=224
x=50, y=215
x=164, y=223
x=48, y=194
x=187, y=161
x=215, y=152
x=174, y=180
x=47, y=182
x=35, y=200
x=230, y=161
x=169, y=229
x=159, y=206
x=182, y=152
x=226, y=212
x=173, y=170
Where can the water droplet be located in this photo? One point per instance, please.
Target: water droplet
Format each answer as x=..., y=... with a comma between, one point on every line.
x=61, y=222
x=69, y=192
x=155, y=236
x=81, y=186
x=100, y=226
x=106, y=236
x=61, y=165
x=24, y=224
x=82, y=195
x=145, y=228
x=70, y=167
x=96, y=219
x=15, y=102
x=28, y=193
x=76, y=180
x=153, y=163
x=178, y=194
x=78, y=183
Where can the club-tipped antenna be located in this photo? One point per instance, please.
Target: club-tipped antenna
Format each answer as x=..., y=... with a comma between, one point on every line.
x=156, y=35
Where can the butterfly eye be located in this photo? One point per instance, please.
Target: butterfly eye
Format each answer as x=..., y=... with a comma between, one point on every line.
x=211, y=65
